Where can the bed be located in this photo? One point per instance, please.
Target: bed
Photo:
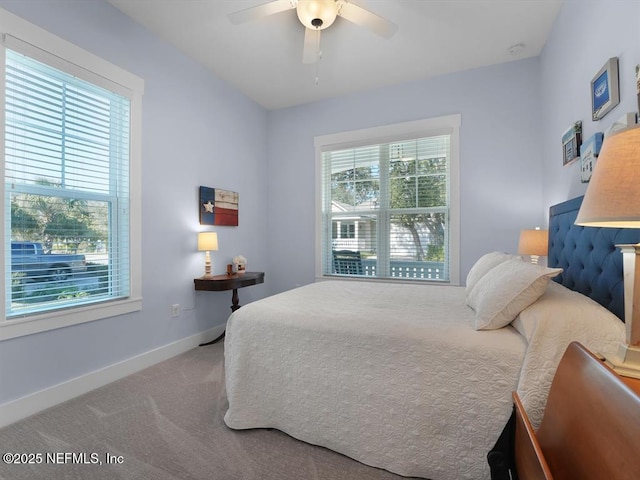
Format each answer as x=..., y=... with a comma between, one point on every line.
x=411, y=378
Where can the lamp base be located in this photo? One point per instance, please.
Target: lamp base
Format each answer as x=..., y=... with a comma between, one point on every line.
x=207, y=266
x=626, y=361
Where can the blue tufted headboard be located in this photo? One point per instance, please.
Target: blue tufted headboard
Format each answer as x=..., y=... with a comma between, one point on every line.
x=592, y=264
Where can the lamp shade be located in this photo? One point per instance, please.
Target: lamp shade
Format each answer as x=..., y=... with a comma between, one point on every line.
x=613, y=195
x=207, y=241
x=534, y=242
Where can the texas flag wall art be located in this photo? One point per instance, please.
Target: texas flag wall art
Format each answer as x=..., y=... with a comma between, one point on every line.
x=218, y=207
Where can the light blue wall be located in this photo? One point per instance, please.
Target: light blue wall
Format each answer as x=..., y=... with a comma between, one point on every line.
x=197, y=130
x=585, y=35
x=501, y=169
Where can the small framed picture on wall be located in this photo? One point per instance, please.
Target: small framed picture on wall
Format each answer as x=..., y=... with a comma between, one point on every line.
x=638, y=86
x=218, y=207
x=605, y=93
x=571, y=140
x=589, y=152
x=625, y=121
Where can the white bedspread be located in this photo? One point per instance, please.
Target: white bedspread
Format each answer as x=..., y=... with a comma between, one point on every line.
x=395, y=376
x=559, y=317
x=397, y=379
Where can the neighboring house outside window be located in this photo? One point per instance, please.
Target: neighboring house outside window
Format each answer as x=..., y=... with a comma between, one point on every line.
x=72, y=182
x=390, y=209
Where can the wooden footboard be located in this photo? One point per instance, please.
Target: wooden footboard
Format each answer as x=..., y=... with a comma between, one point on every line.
x=591, y=425
x=529, y=459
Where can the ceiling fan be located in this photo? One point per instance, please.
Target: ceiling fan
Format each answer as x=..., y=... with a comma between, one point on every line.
x=316, y=15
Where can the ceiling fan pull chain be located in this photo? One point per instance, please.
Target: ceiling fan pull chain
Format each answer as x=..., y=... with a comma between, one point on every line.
x=319, y=56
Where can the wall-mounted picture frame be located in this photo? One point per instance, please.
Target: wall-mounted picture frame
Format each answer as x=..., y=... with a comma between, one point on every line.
x=625, y=121
x=589, y=152
x=218, y=207
x=638, y=86
x=571, y=140
x=605, y=89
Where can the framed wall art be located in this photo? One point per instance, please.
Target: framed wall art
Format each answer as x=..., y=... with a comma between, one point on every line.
x=625, y=121
x=605, y=93
x=218, y=207
x=589, y=152
x=638, y=86
x=571, y=140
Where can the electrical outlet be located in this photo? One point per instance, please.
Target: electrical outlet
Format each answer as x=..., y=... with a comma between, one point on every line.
x=175, y=310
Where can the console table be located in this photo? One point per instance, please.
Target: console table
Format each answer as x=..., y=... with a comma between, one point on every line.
x=218, y=283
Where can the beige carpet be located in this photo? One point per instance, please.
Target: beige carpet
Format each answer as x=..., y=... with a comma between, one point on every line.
x=165, y=422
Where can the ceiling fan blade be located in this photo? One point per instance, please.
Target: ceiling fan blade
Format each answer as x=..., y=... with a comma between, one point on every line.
x=367, y=19
x=311, y=45
x=260, y=11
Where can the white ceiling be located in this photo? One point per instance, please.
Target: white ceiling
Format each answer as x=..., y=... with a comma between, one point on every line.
x=263, y=58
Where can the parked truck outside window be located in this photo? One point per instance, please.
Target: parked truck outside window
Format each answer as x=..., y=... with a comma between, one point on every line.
x=29, y=258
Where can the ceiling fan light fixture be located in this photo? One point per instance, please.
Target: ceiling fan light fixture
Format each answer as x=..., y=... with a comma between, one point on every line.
x=317, y=14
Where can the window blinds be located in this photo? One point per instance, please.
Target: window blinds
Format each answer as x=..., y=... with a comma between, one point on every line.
x=388, y=204
x=66, y=186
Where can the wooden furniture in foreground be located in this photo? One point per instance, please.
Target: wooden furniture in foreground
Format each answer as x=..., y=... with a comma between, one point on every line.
x=591, y=425
x=219, y=283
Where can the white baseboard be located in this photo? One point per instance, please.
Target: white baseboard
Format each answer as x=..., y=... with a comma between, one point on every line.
x=23, y=407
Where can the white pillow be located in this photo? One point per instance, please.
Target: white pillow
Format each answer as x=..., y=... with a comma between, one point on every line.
x=483, y=265
x=507, y=289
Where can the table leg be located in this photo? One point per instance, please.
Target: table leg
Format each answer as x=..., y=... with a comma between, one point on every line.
x=221, y=336
x=235, y=300
x=235, y=305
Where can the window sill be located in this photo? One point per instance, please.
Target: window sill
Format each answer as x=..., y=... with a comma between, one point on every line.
x=395, y=280
x=20, y=327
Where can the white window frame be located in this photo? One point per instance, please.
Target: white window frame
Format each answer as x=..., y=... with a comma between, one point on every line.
x=94, y=67
x=449, y=124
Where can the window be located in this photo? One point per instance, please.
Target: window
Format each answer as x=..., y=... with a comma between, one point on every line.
x=343, y=229
x=389, y=195
x=71, y=168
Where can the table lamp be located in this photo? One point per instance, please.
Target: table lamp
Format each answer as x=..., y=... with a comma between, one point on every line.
x=534, y=243
x=207, y=241
x=613, y=200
